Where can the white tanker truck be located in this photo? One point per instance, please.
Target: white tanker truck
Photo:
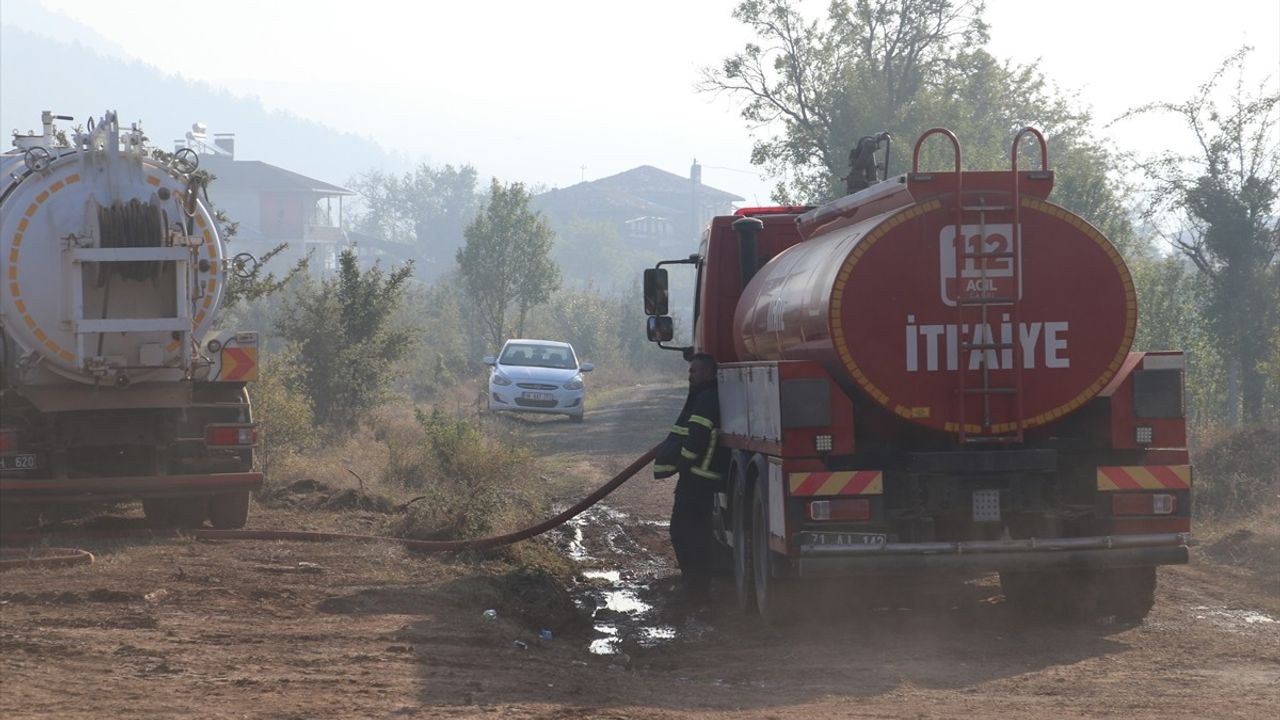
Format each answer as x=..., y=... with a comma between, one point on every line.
x=114, y=383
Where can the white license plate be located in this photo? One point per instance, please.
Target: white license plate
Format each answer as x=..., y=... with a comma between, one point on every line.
x=25, y=461
x=849, y=538
x=986, y=505
x=537, y=396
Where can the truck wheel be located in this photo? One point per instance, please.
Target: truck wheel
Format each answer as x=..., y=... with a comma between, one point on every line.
x=743, y=568
x=1127, y=594
x=773, y=596
x=229, y=511
x=1034, y=594
x=156, y=511
x=176, y=512
x=14, y=517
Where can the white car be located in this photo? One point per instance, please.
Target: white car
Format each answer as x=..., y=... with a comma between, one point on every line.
x=539, y=376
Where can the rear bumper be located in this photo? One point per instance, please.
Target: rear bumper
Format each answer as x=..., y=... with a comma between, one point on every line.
x=1015, y=555
x=125, y=488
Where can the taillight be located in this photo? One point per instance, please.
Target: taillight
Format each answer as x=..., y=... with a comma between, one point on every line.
x=231, y=435
x=849, y=509
x=1143, y=504
x=8, y=440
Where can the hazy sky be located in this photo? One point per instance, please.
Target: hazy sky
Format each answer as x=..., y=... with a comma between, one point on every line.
x=535, y=91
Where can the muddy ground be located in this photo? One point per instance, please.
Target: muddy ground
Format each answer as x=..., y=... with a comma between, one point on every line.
x=166, y=628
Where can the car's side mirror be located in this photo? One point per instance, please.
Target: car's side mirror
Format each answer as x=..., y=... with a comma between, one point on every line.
x=490, y=360
x=586, y=367
x=655, y=291
x=660, y=329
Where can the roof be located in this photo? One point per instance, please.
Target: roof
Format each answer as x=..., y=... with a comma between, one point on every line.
x=257, y=175
x=649, y=179
x=644, y=190
x=530, y=341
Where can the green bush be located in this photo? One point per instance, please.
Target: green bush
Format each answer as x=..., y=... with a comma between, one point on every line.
x=471, y=484
x=283, y=412
x=1238, y=473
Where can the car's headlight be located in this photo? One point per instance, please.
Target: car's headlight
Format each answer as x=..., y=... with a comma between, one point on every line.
x=574, y=384
x=499, y=380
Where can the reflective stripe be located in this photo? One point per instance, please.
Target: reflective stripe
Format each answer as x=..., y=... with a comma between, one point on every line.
x=702, y=421
x=688, y=454
x=679, y=430
x=705, y=473
x=711, y=450
x=664, y=468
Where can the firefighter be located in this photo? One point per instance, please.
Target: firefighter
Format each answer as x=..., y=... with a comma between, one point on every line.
x=691, y=451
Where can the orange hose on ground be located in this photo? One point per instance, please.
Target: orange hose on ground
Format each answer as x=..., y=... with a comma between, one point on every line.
x=44, y=557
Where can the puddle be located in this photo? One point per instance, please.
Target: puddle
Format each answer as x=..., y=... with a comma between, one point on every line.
x=1232, y=619
x=619, y=613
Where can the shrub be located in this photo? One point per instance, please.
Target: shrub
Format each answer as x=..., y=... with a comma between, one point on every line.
x=470, y=483
x=1238, y=473
x=283, y=412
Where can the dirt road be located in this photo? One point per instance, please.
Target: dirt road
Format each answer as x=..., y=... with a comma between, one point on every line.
x=166, y=628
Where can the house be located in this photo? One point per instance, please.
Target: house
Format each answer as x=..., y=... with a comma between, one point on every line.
x=652, y=208
x=272, y=206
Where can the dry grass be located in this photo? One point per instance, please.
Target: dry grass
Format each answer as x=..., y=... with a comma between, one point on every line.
x=433, y=473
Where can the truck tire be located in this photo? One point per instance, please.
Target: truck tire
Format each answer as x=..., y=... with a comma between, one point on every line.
x=229, y=511
x=176, y=512
x=1048, y=595
x=773, y=595
x=743, y=578
x=1127, y=594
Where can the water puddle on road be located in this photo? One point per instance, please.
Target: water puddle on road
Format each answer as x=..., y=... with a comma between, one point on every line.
x=614, y=597
x=1233, y=619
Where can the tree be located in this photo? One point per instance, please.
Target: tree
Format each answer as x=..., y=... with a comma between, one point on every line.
x=347, y=339
x=506, y=260
x=1215, y=202
x=825, y=85
x=426, y=208
x=904, y=66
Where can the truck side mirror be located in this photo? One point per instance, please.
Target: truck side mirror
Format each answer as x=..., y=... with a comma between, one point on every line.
x=660, y=329
x=655, y=292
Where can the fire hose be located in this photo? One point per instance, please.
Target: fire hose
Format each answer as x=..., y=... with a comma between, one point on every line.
x=50, y=557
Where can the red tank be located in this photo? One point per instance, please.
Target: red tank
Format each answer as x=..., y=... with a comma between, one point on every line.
x=1038, y=321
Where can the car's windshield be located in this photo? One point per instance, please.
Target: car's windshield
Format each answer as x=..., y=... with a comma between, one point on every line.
x=530, y=355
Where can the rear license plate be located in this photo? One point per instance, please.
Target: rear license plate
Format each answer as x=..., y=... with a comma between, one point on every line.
x=537, y=396
x=845, y=538
x=24, y=461
x=986, y=505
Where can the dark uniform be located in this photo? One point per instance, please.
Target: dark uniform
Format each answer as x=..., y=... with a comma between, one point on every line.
x=691, y=450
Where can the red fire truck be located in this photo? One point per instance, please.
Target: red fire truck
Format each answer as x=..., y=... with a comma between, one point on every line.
x=934, y=374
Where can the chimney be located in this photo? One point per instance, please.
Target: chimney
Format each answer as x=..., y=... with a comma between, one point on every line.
x=695, y=173
x=226, y=142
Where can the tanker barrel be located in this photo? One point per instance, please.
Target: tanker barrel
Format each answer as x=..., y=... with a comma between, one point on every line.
x=748, y=230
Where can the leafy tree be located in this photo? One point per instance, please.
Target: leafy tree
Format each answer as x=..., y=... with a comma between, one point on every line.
x=427, y=208
x=1215, y=201
x=253, y=286
x=823, y=85
x=1171, y=300
x=506, y=261
x=347, y=339
x=813, y=88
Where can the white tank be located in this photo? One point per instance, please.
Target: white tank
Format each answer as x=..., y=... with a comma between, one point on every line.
x=111, y=262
